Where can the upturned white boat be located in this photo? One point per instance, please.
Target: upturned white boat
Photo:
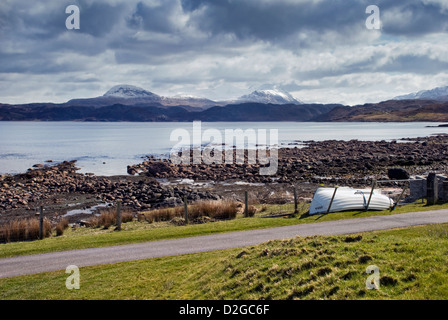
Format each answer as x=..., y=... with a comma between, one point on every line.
x=347, y=199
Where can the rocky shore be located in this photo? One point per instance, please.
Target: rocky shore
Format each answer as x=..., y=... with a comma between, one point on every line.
x=60, y=188
x=343, y=162
x=49, y=186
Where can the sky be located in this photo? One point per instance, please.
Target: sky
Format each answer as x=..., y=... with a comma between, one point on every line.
x=321, y=51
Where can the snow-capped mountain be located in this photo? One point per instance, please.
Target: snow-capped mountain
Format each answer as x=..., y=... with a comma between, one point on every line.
x=129, y=92
x=121, y=94
x=131, y=95
x=273, y=96
x=440, y=93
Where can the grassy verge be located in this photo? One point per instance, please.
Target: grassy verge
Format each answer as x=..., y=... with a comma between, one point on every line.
x=135, y=232
x=413, y=264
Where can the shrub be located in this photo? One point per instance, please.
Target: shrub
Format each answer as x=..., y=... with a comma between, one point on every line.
x=61, y=227
x=108, y=218
x=166, y=214
x=251, y=210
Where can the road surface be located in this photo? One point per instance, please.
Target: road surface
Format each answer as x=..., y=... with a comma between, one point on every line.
x=33, y=264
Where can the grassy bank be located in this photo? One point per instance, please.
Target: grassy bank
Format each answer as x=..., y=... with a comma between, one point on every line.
x=135, y=232
x=413, y=264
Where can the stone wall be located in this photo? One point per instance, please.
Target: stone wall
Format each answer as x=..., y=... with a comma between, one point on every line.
x=418, y=188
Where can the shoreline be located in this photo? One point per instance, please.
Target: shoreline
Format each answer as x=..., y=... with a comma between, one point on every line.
x=156, y=183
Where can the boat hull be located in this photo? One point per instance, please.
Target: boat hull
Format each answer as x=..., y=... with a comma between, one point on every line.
x=348, y=199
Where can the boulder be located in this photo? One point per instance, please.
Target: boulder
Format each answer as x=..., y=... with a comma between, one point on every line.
x=398, y=174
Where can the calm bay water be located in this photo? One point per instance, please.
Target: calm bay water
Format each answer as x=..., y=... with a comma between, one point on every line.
x=107, y=148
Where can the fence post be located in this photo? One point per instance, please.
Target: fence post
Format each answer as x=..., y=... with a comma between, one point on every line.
x=295, y=201
x=186, y=210
x=118, y=216
x=399, y=198
x=41, y=223
x=246, y=204
x=371, y=194
x=332, y=199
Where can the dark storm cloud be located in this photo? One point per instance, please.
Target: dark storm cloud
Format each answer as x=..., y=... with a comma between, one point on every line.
x=34, y=40
x=288, y=24
x=99, y=18
x=380, y=62
x=414, y=64
x=153, y=18
x=220, y=40
x=413, y=18
x=274, y=20
x=48, y=22
x=22, y=23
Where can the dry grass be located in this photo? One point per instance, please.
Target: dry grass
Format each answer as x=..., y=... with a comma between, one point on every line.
x=216, y=210
x=23, y=230
x=61, y=227
x=219, y=210
x=166, y=214
x=108, y=218
x=251, y=211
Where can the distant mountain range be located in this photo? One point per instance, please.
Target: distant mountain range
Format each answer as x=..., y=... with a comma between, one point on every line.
x=131, y=103
x=132, y=95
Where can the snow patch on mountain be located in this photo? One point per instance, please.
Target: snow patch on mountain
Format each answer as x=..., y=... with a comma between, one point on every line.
x=129, y=92
x=273, y=96
x=440, y=93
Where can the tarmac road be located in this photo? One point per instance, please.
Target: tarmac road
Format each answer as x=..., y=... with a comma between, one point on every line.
x=33, y=264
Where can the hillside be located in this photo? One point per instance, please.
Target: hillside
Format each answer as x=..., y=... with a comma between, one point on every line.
x=412, y=265
x=149, y=113
x=387, y=111
x=390, y=111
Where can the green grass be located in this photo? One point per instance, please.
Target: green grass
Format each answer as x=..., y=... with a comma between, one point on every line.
x=137, y=232
x=413, y=264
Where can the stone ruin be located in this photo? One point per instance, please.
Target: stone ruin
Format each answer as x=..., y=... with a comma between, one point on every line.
x=434, y=187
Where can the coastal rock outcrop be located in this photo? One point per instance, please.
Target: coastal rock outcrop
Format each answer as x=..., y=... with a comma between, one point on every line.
x=344, y=162
x=37, y=186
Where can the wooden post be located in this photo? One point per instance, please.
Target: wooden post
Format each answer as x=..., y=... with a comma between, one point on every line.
x=186, y=210
x=371, y=194
x=296, y=210
x=246, y=204
x=332, y=199
x=399, y=198
x=41, y=223
x=118, y=216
